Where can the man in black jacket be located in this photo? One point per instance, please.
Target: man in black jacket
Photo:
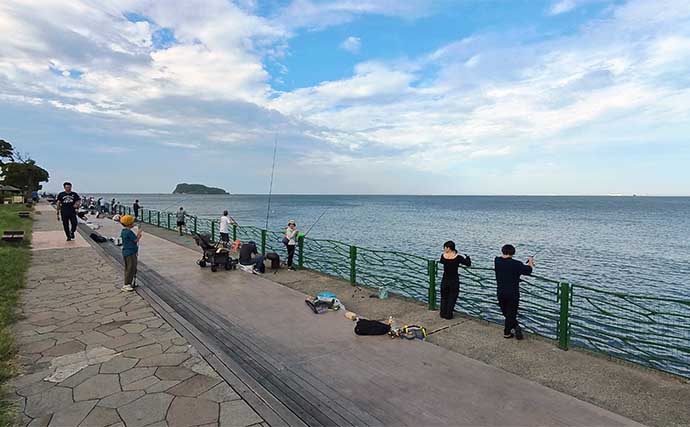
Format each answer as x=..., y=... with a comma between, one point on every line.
x=508, y=272
x=249, y=255
x=68, y=202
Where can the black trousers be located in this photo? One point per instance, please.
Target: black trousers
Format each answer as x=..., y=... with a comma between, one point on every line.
x=67, y=220
x=291, y=254
x=449, y=297
x=509, y=307
x=136, y=213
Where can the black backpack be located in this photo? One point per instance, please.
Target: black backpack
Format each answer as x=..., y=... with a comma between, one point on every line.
x=371, y=327
x=97, y=237
x=275, y=260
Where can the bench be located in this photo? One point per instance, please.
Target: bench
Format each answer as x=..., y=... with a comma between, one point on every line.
x=24, y=214
x=12, y=236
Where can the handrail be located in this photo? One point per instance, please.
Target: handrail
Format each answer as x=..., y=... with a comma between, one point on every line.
x=643, y=329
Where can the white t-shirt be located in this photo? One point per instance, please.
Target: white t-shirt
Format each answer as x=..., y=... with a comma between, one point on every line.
x=224, y=224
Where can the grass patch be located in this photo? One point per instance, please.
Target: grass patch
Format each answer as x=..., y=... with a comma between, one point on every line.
x=14, y=262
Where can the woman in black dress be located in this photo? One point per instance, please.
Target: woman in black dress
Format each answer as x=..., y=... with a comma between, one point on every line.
x=450, y=283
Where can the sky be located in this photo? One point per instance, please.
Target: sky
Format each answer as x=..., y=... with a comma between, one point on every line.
x=571, y=97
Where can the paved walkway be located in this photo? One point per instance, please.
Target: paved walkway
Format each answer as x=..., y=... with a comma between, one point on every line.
x=313, y=370
x=95, y=356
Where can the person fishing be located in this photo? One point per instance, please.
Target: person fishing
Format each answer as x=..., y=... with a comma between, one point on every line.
x=130, y=251
x=290, y=240
x=136, y=208
x=67, y=204
x=450, y=283
x=225, y=222
x=112, y=206
x=508, y=272
x=180, y=216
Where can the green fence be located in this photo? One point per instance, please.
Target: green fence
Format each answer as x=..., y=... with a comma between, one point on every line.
x=647, y=330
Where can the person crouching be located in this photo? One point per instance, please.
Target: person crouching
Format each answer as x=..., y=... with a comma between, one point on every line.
x=130, y=250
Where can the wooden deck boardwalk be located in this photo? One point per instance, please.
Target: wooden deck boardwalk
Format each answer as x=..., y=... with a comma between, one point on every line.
x=313, y=370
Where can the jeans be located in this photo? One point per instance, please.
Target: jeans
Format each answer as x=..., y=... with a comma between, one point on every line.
x=257, y=262
x=67, y=220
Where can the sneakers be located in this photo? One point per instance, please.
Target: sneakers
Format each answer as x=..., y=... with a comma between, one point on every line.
x=508, y=336
x=518, y=334
x=127, y=288
x=291, y=268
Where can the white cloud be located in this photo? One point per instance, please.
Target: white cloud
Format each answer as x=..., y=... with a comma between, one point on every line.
x=351, y=44
x=321, y=14
x=562, y=6
x=486, y=96
x=622, y=77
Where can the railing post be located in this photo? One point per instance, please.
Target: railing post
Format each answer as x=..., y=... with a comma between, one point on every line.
x=263, y=242
x=158, y=213
x=213, y=231
x=432, y=269
x=353, y=265
x=300, y=250
x=168, y=220
x=565, y=297
x=194, y=224
x=149, y=221
x=234, y=232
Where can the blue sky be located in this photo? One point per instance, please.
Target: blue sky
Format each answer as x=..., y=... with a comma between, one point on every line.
x=367, y=96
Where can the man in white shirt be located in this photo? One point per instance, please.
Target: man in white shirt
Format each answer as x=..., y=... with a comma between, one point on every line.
x=225, y=223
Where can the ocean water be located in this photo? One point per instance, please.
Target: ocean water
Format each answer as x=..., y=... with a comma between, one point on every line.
x=637, y=245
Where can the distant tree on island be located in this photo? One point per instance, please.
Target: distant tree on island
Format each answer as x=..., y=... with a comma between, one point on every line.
x=21, y=171
x=185, y=188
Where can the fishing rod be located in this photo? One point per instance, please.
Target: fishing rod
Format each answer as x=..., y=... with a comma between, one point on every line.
x=270, y=187
x=538, y=252
x=316, y=222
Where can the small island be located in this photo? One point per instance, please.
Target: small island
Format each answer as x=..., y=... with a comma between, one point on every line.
x=185, y=188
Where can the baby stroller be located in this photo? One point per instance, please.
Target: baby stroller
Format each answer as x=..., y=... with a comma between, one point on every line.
x=213, y=254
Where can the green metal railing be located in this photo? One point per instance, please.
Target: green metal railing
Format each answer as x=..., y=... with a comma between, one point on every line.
x=647, y=330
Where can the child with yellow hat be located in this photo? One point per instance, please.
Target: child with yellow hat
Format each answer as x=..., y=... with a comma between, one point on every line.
x=130, y=249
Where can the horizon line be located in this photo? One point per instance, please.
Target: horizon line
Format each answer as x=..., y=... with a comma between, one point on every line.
x=395, y=194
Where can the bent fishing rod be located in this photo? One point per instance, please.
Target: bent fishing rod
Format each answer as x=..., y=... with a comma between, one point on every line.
x=270, y=187
x=316, y=222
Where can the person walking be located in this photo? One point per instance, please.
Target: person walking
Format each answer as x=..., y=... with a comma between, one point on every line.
x=290, y=240
x=225, y=222
x=180, y=215
x=450, y=283
x=112, y=206
x=136, y=208
x=130, y=251
x=508, y=272
x=67, y=203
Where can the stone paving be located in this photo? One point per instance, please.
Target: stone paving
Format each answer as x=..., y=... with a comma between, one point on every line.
x=92, y=355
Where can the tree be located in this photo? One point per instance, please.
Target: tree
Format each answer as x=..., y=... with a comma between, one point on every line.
x=6, y=151
x=24, y=174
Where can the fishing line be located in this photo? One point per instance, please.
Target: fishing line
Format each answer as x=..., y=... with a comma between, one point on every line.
x=270, y=187
x=316, y=222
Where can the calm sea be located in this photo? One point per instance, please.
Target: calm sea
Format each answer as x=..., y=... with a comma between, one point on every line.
x=632, y=244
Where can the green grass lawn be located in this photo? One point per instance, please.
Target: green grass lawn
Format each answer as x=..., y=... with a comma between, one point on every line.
x=14, y=261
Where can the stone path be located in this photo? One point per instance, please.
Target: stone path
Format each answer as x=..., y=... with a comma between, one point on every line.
x=92, y=355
